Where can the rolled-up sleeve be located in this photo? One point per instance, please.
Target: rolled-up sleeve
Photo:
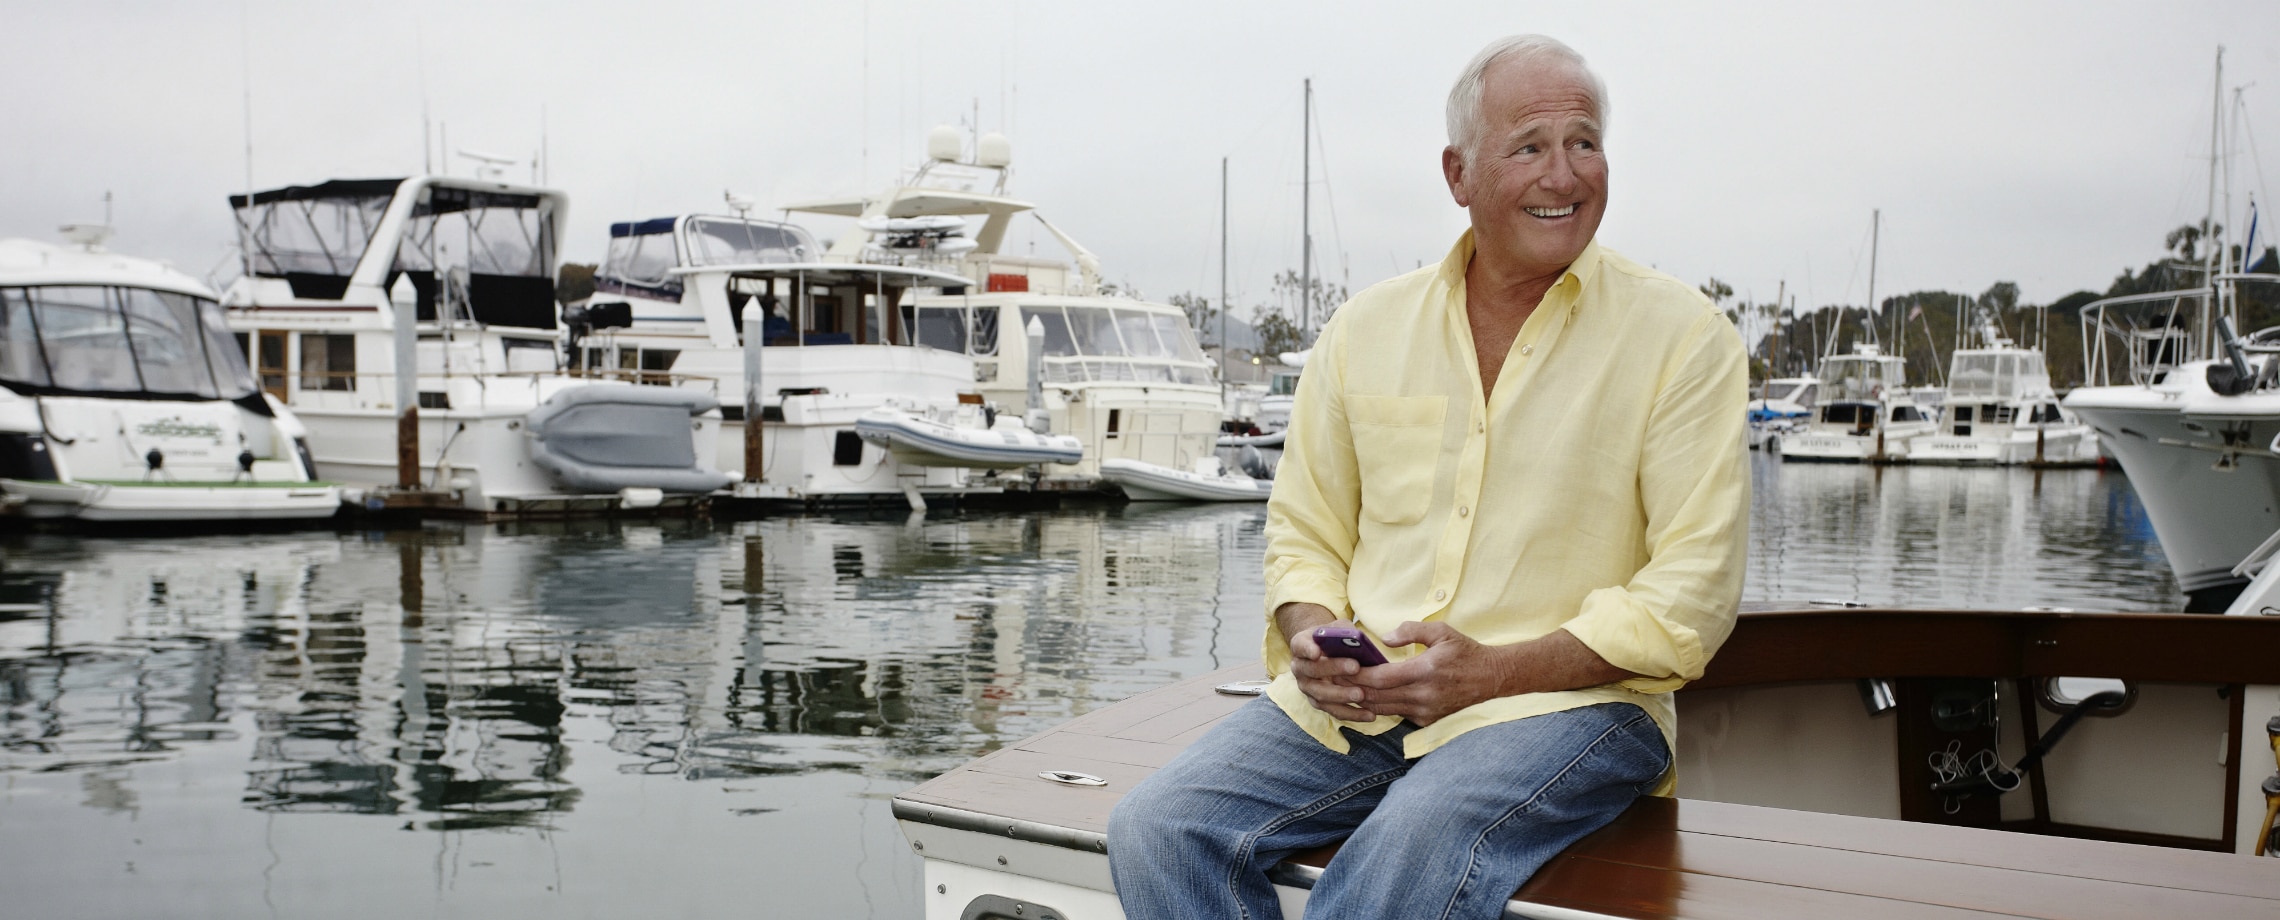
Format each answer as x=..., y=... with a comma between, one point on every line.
x=1311, y=516
x=1666, y=622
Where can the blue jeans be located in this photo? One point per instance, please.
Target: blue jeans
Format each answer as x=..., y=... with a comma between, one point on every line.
x=1450, y=834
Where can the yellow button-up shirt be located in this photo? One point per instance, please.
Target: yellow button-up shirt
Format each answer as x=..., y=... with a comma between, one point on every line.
x=1604, y=489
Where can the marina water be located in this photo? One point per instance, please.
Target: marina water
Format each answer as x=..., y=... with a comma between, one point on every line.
x=687, y=718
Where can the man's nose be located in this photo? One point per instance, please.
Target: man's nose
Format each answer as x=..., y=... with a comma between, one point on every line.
x=1559, y=172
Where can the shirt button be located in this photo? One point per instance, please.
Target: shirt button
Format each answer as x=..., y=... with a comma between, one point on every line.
x=1463, y=510
x=1441, y=595
x=1480, y=427
x=1526, y=350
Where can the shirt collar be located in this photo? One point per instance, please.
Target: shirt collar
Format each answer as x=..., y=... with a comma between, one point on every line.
x=1579, y=274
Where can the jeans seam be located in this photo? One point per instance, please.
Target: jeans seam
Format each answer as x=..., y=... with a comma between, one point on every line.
x=1245, y=852
x=1472, y=857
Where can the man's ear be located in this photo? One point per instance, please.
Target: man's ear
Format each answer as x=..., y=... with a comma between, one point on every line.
x=1453, y=170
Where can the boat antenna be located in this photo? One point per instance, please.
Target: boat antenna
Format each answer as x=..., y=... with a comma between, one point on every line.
x=2208, y=221
x=245, y=74
x=1306, y=214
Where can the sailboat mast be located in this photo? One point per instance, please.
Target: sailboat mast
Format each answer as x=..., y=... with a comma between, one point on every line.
x=1223, y=280
x=1875, y=227
x=2209, y=259
x=1306, y=215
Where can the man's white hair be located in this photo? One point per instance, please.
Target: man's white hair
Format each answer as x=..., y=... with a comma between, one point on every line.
x=1464, y=98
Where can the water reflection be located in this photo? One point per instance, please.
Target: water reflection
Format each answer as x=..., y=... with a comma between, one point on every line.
x=680, y=713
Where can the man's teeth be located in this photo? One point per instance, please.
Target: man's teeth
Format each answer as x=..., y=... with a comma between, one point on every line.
x=1551, y=212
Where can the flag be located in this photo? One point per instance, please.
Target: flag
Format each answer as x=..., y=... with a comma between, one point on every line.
x=2248, y=250
x=1919, y=311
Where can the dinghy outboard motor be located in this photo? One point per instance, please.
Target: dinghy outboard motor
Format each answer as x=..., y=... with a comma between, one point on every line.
x=1254, y=463
x=610, y=437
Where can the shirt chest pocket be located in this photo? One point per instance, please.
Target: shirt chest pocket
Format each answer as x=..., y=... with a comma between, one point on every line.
x=1397, y=447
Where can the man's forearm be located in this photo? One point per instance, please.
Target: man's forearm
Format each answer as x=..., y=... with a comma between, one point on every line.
x=1297, y=617
x=1552, y=662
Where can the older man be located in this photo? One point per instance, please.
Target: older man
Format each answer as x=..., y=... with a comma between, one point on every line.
x=1522, y=470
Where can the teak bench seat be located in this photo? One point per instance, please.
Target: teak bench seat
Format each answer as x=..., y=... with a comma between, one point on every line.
x=1678, y=858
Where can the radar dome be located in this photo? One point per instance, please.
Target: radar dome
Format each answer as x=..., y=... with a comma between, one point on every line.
x=943, y=144
x=994, y=150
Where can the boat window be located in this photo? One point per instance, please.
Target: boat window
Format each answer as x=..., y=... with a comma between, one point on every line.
x=1059, y=342
x=523, y=355
x=20, y=359
x=313, y=237
x=226, y=351
x=1179, y=340
x=1139, y=335
x=1094, y=329
x=1283, y=384
x=504, y=241
x=85, y=340
x=2007, y=376
x=328, y=362
x=640, y=261
x=2046, y=412
x=1841, y=413
x=97, y=339
x=724, y=241
x=1780, y=391
x=1972, y=375
x=1906, y=414
x=985, y=331
x=166, y=342
x=937, y=327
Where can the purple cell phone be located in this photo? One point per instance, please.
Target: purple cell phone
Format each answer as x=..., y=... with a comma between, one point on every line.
x=1348, y=642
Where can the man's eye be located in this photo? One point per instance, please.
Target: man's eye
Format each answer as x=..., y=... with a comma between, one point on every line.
x=1525, y=149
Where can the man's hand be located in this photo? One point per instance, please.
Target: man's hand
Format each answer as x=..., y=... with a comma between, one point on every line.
x=1326, y=681
x=1455, y=672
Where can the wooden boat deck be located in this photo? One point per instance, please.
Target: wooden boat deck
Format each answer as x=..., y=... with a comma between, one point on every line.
x=1668, y=858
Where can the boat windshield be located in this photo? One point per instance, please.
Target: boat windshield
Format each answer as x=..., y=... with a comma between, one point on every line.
x=312, y=236
x=1117, y=343
x=640, y=260
x=503, y=240
x=727, y=241
x=1283, y=383
x=118, y=341
x=1775, y=391
x=2002, y=375
x=1847, y=377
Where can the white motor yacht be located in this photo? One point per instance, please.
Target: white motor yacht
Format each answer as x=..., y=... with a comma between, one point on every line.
x=2190, y=431
x=1867, y=414
x=2001, y=410
x=1123, y=376
x=412, y=324
x=123, y=397
x=839, y=347
x=1784, y=407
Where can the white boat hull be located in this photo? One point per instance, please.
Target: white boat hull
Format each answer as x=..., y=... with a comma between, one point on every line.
x=924, y=442
x=2059, y=444
x=164, y=501
x=2209, y=508
x=1147, y=482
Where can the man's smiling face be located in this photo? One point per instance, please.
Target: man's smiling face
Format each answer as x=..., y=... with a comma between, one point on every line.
x=1536, y=178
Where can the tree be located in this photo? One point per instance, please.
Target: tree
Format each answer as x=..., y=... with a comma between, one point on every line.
x=1318, y=301
x=1277, y=334
x=575, y=282
x=1201, y=316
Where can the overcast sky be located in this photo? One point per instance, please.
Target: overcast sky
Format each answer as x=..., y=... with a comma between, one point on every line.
x=2050, y=144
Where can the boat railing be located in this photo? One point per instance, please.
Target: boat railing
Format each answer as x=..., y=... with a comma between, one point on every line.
x=1126, y=370
x=2137, y=338
x=347, y=383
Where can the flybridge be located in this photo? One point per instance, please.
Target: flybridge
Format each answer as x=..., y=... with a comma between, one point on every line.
x=486, y=248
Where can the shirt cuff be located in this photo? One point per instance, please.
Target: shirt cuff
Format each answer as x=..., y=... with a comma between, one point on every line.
x=1622, y=631
x=1297, y=586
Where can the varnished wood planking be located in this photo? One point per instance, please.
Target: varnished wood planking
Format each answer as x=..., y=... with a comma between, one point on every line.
x=1640, y=893
x=1654, y=818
